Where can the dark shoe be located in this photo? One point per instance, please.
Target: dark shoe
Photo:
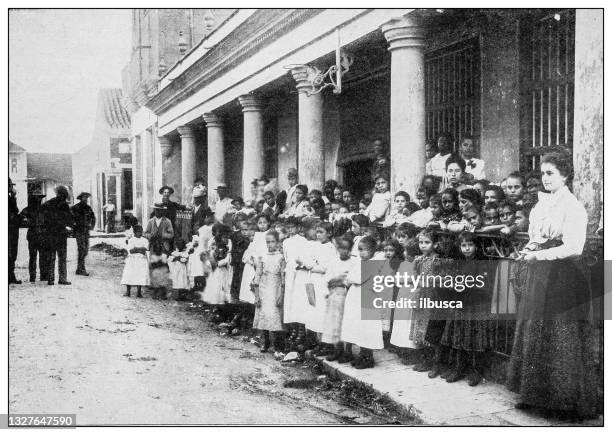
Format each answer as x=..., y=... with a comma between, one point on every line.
x=79, y=272
x=334, y=356
x=365, y=363
x=126, y=294
x=139, y=294
x=435, y=371
x=346, y=357
x=64, y=282
x=423, y=366
x=447, y=372
x=474, y=378
x=455, y=376
x=32, y=279
x=50, y=282
x=14, y=281
x=522, y=405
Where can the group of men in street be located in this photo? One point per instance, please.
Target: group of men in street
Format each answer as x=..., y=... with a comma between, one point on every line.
x=49, y=224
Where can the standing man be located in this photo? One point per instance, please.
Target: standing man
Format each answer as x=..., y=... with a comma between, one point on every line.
x=199, y=208
x=473, y=166
x=437, y=164
x=14, y=221
x=109, y=213
x=84, y=221
x=224, y=204
x=30, y=216
x=55, y=224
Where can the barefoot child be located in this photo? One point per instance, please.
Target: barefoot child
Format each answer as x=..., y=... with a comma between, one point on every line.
x=136, y=271
x=269, y=286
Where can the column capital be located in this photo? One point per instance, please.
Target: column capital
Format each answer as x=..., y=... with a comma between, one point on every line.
x=251, y=103
x=165, y=145
x=185, y=131
x=304, y=76
x=404, y=32
x=212, y=120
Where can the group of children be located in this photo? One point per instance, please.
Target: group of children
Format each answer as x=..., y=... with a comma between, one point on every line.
x=297, y=275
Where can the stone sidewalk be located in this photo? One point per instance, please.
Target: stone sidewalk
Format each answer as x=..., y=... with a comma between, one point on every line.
x=436, y=402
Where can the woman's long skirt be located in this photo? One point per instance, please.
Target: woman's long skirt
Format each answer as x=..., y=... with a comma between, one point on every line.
x=552, y=358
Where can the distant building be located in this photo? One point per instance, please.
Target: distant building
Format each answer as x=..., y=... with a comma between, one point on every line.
x=46, y=171
x=18, y=172
x=104, y=166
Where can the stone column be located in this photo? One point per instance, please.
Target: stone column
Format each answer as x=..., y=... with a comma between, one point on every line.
x=588, y=112
x=253, y=154
x=406, y=40
x=311, y=158
x=165, y=146
x=188, y=162
x=216, y=158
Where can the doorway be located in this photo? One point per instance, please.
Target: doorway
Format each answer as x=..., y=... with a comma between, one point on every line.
x=357, y=176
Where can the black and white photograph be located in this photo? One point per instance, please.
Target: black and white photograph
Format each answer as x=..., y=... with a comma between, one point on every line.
x=305, y=216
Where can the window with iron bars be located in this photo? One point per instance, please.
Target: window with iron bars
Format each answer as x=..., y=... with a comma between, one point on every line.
x=547, y=86
x=452, y=91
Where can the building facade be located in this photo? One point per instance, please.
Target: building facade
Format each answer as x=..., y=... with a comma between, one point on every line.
x=242, y=102
x=161, y=38
x=104, y=166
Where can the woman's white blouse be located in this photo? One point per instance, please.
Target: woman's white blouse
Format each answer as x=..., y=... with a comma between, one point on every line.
x=558, y=216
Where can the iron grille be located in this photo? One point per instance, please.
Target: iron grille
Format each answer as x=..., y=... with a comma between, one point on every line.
x=547, y=86
x=452, y=83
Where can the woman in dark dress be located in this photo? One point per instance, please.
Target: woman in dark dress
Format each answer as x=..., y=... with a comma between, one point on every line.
x=551, y=366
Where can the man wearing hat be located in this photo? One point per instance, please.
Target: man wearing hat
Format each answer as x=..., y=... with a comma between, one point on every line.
x=159, y=228
x=171, y=207
x=31, y=220
x=55, y=224
x=224, y=204
x=14, y=221
x=199, y=207
x=84, y=221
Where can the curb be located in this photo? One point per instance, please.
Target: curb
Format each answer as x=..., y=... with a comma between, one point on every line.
x=407, y=412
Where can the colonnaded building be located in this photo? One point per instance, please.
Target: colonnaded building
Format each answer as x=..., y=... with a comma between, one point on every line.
x=232, y=94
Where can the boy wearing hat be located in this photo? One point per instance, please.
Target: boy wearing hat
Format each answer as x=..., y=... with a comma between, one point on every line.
x=84, y=221
x=159, y=228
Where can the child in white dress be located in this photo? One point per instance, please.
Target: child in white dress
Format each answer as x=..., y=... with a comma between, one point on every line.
x=269, y=284
x=291, y=250
x=136, y=269
x=177, y=263
x=323, y=254
x=334, y=310
x=218, y=286
x=198, y=266
x=367, y=334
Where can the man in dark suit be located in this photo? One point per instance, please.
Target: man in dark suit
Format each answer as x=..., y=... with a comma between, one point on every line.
x=55, y=223
x=199, y=209
x=14, y=221
x=84, y=221
x=30, y=217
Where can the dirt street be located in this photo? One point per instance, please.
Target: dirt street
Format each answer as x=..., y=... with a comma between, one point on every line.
x=88, y=350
